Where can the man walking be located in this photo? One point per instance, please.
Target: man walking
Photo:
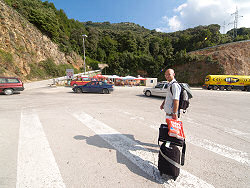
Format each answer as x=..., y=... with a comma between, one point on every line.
x=171, y=102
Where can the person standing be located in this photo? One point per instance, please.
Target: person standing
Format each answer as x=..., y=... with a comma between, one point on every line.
x=171, y=102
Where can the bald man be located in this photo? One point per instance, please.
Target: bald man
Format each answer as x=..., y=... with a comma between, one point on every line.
x=171, y=102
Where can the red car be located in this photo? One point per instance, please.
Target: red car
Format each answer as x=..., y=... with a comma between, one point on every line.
x=79, y=81
x=8, y=85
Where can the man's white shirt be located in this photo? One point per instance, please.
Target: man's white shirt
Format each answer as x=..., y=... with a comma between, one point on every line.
x=169, y=101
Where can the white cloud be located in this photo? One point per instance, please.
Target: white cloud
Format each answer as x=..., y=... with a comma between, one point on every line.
x=204, y=12
x=179, y=8
x=174, y=23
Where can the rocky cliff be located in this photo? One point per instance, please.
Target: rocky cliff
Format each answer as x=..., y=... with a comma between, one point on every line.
x=232, y=58
x=22, y=44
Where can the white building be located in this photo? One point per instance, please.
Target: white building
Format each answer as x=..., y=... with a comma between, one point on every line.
x=151, y=82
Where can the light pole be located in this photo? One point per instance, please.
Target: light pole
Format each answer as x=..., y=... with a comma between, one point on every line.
x=84, y=58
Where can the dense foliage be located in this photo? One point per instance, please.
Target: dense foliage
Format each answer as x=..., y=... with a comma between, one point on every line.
x=46, y=69
x=127, y=48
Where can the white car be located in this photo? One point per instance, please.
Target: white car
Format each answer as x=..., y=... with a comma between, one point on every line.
x=159, y=90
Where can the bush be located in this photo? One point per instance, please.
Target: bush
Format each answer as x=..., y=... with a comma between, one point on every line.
x=50, y=67
x=92, y=63
x=62, y=69
x=6, y=58
x=36, y=72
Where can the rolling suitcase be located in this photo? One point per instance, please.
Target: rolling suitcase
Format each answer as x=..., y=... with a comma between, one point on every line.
x=164, y=137
x=169, y=160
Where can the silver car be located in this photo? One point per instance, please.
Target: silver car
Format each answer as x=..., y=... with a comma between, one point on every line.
x=159, y=90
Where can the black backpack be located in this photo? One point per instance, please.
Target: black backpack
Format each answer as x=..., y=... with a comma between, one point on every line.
x=185, y=96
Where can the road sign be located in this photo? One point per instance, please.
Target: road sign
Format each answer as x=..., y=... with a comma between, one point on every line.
x=70, y=73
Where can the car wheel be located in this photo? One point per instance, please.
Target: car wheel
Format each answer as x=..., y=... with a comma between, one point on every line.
x=215, y=87
x=209, y=87
x=105, y=91
x=222, y=88
x=229, y=88
x=78, y=90
x=8, y=91
x=148, y=93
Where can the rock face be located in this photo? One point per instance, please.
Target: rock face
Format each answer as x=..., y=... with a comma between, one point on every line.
x=231, y=59
x=234, y=57
x=27, y=45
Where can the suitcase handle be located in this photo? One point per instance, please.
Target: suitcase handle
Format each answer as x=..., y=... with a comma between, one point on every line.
x=183, y=153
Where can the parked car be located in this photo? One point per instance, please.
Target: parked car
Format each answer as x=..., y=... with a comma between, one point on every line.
x=94, y=87
x=8, y=85
x=79, y=81
x=159, y=90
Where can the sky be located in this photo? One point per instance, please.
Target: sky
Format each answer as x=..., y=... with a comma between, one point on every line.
x=161, y=15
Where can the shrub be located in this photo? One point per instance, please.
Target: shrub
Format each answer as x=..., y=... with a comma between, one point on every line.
x=6, y=58
x=50, y=67
x=36, y=72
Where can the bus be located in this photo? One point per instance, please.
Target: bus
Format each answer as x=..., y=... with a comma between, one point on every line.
x=227, y=82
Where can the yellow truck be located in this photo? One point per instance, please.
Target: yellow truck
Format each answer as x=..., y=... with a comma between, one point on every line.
x=227, y=82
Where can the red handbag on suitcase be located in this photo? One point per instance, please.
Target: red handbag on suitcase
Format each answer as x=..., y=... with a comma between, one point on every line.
x=175, y=129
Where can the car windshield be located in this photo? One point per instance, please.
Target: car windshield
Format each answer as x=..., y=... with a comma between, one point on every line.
x=159, y=86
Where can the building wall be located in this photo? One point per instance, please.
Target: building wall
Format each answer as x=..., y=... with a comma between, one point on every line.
x=151, y=82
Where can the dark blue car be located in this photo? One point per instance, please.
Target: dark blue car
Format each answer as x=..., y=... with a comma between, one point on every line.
x=94, y=87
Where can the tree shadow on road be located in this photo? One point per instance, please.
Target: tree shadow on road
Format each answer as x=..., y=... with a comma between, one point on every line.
x=127, y=152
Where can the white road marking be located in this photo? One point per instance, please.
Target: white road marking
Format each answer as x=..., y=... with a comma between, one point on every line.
x=219, y=149
x=137, y=154
x=132, y=116
x=237, y=133
x=36, y=165
x=231, y=131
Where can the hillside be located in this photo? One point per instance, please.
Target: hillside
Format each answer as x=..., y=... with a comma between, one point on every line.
x=35, y=41
x=23, y=47
x=124, y=26
x=232, y=58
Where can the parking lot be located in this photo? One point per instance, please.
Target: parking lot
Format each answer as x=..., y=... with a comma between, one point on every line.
x=52, y=137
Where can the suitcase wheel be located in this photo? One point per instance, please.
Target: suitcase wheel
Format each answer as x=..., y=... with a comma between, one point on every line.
x=175, y=177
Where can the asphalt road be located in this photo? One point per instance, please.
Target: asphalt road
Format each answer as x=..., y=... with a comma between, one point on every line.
x=52, y=137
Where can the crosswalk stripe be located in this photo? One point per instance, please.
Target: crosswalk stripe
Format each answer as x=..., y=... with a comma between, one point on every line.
x=219, y=149
x=137, y=154
x=36, y=165
x=225, y=151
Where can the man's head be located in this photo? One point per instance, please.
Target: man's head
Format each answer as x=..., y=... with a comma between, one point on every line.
x=169, y=75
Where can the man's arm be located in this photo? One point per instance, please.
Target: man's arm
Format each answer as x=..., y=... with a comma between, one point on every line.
x=162, y=105
x=175, y=109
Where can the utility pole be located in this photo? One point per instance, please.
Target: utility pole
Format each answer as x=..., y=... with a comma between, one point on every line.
x=236, y=19
x=223, y=26
x=84, y=58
